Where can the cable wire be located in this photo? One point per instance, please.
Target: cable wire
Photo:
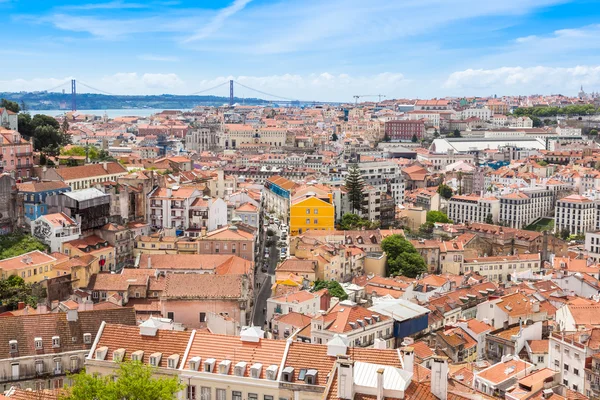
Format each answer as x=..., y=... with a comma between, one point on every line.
x=265, y=93
x=55, y=87
x=206, y=90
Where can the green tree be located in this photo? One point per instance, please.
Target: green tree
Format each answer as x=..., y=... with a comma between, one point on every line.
x=352, y=221
x=334, y=137
x=65, y=126
x=14, y=245
x=386, y=138
x=43, y=120
x=25, y=126
x=445, y=191
x=489, y=219
x=594, y=132
x=436, y=134
x=333, y=288
x=564, y=233
x=537, y=123
x=47, y=138
x=456, y=133
x=414, y=139
x=437, y=216
x=426, y=230
x=10, y=105
x=132, y=381
x=542, y=163
x=354, y=187
x=14, y=290
x=402, y=257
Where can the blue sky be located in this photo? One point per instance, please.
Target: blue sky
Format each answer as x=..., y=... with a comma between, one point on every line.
x=311, y=49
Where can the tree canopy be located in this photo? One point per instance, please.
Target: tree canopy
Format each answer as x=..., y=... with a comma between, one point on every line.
x=132, y=381
x=355, y=186
x=10, y=105
x=402, y=257
x=352, y=221
x=575, y=109
x=333, y=288
x=445, y=191
x=14, y=290
x=437, y=216
x=16, y=244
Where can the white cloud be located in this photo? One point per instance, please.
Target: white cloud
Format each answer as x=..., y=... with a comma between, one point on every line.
x=523, y=80
x=134, y=83
x=154, y=57
x=217, y=22
x=35, y=84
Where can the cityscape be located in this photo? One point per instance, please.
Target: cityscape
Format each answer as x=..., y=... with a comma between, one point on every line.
x=276, y=232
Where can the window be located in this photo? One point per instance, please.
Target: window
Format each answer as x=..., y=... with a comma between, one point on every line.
x=55, y=341
x=316, y=221
x=221, y=394
x=307, y=223
x=235, y=395
x=170, y=315
x=205, y=393
x=202, y=317
x=576, y=371
x=575, y=388
x=566, y=367
x=191, y=392
x=540, y=359
x=74, y=364
x=268, y=397
x=316, y=211
x=39, y=367
x=252, y=396
x=308, y=211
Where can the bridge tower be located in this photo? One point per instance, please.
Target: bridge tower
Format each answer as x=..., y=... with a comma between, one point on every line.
x=73, y=95
x=231, y=92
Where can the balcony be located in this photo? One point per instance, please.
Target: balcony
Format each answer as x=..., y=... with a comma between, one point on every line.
x=177, y=206
x=23, y=154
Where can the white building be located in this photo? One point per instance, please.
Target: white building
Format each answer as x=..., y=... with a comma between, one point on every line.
x=235, y=135
x=496, y=379
x=473, y=208
x=9, y=119
x=499, y=268
x=575, y=213
x=522, y=208
x=567, y=354
x=202, y=138
x=384, y=176
x=592, y=246
x=170, y=207
x=483, y=114
x=442, y=159
x=55, y=229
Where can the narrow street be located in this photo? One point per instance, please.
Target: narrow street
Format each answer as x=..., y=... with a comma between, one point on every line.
x=264, y=280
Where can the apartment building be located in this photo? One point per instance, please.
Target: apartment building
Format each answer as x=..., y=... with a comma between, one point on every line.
x=311, y=211
x=16, y=152
x=104, y=253
x=235, y=135
x=404, y=130
x=37, y=351
x=252, y=367
x=575, y=213
x=483, y=113
x=202, y=138
x=472, y=208
x=55, y=229
x=32, y=196
x=592, y=246
x=33, y=267
x=441, y=159
x=522, y=208
x=170, y=207
x=568, y=353
x=85, y=176
x=495, y=380
x=431, y=118
x=500, y=268
x=9, y=120
x=277, y=195
x=384, y=176
x=206, y=212
x=302, y=302
x=592, y=378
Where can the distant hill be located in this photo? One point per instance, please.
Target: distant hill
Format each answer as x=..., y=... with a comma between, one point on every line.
x=88, y=101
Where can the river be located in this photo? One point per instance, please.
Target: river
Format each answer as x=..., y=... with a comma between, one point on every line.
x=134, y=112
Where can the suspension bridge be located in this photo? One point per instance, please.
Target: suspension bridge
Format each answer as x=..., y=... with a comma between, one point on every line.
x=270, y=98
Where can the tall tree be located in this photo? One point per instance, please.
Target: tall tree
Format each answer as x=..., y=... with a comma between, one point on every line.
x=354, y=187
x=437, y=216
x=402, y=257
x=65, y=126
x=445, y=191
x=10, y=105
x=414, y=139
x=334, y=137
x=132, y=381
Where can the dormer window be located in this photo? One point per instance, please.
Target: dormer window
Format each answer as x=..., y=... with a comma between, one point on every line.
x=288, y=374
x=87, y=338
x=311, y=377
x=272, y=372
x=13, y=347
x=55, y=341
x=195, y=363
x=155, y=359
x=255, y=370
x=137, y=355
x=172, y=361
x=209, y=365
x=224, y=367
x=38, y=343
x=240, y=368
x=119, y=355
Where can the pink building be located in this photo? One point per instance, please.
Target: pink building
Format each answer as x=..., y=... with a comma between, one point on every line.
x=16, y=154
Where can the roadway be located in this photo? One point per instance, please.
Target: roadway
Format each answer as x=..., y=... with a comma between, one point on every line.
x=264, y=280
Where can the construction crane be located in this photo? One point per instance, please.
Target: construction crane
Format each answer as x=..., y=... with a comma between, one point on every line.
x=358, y=96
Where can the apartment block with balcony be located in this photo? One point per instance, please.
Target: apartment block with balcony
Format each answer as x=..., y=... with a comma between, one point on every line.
x=170, y=207
x=32, y=197
x=16, y=154
x=592, y=377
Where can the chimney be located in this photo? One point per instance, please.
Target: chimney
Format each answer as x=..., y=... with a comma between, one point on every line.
x=149, y=263
x=21, y=305
x=380, y=384
x=380, y=344
x=345, y=371
x=105, y=166
x=439, y=377
x=169, y=192
x=408, y=359
x=203, y=231
x=535, y=307
x=42, y=308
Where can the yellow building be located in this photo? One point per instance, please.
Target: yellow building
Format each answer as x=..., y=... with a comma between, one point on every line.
x=312, y=212
x=103, y=253
x=33, y=267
